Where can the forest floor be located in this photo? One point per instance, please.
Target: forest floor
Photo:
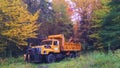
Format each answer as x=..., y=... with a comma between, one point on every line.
x=89, y=60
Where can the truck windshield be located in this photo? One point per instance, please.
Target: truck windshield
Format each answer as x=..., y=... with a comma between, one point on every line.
x=46, y=43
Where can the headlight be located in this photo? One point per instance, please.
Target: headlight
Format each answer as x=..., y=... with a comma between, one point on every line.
x=44, y=52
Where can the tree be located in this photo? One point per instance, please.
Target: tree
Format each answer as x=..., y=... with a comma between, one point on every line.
x=97, y=19
x=60, y=23
x=62, y=20
x=84, y=10
x=111, y=27
x=46, y=16
x=45, y=7
x=52, y=16
x=17, y=23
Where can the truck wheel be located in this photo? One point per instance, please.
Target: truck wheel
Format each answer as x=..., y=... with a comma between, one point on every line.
x=78, y=54
x=72, y=55
x=50, y=58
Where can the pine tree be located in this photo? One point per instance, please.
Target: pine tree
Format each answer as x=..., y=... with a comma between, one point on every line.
x=111, y=27
x=97, y=19
x=45, y=7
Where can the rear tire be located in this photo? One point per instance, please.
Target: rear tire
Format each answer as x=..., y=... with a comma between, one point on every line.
x=50, y=58
x=78, y=54
x=72, y=55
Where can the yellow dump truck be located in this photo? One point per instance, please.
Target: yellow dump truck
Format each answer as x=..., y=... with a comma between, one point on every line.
x=51, y=49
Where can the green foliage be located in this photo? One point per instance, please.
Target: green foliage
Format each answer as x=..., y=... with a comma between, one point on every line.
x=15, y=63
x=98, y=18
x=61, y=23
x=60, y=8
x=47, y=13
x=106, y=27
x=62, y=18
x=111, y=27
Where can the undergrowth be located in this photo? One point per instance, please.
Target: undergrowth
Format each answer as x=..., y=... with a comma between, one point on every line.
x=90, y=60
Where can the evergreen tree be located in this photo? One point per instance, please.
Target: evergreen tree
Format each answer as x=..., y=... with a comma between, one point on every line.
x=45, y=7
x=111, y=27
x=97, y=19
x=47, y=13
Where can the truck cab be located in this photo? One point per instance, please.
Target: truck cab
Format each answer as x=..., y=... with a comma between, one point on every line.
x=49, y=46
x=36, y=53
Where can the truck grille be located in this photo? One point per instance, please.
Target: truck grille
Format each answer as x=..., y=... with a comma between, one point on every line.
x=34, y=50
x=37, y=50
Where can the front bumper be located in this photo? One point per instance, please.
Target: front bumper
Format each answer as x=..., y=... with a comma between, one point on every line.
x=33, y=58
x=33, y=55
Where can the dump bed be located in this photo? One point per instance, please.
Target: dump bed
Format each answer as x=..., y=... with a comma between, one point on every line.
x=66, y=46
x=70, y=46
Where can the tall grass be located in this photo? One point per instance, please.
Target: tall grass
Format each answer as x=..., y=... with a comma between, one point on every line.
x=16, y=63
x=91, y=60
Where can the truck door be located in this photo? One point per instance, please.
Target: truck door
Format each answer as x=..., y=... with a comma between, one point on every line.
x=56, y=46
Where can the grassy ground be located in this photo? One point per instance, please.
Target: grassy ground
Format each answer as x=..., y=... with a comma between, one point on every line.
x=91, y=60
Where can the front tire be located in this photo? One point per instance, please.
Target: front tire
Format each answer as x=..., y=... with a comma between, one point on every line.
x=50, y=58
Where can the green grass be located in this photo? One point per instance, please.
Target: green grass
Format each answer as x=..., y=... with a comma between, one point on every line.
x=91, y=60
